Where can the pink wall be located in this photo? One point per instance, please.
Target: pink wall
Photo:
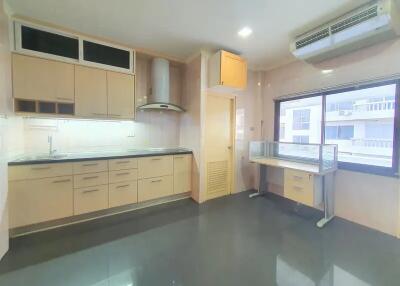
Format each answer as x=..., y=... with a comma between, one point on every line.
x=366, y=199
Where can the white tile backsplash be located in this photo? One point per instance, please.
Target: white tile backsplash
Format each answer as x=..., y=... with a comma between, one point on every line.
x=151, y=129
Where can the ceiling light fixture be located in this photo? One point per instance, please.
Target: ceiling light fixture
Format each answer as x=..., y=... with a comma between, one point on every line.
x=326, y=71
x=245, y=32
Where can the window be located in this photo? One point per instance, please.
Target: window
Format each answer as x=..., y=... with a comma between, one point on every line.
x=360, y=120
x=301, y=119
x=339, y=132
x=301, y=139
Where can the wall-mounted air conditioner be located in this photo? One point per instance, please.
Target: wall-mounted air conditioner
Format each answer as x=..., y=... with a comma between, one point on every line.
x=359, y=28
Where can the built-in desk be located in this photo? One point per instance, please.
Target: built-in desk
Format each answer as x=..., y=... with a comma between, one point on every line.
x=308, y=181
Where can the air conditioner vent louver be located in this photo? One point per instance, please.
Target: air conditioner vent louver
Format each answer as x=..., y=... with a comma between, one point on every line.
x=312, y=38
x=354, y=20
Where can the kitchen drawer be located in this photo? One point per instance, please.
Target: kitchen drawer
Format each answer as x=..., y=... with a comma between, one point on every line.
x=122, y=175
x=154, y=188
x=90, y=199
x=123, y=193
x=93, y=179
x=157, y=166
x=122, y=164
x=182, y=173
x=298, y=178
x=301, y=194
x=38, y=171
x=39, y=200
x=90, y=167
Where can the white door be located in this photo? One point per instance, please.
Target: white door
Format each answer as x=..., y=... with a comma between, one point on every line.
x=219, y=146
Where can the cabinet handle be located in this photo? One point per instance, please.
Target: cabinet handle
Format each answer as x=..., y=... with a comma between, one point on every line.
x=123, y=174
x=100, y=114
x=116, y=115
x=61, y=181
x=298, y=188
x=298, y=178
x=180, y=157
x=40, y=168
x=122, y=186
x=122, y=162
x=90, y=178
x=156, y=159
x=90, y=191
x=91, y=164
x=156, y=181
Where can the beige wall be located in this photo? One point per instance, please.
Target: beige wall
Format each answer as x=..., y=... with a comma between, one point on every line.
x=248, y=128
x=5, y=91
x=366, y=199
x=190, y=120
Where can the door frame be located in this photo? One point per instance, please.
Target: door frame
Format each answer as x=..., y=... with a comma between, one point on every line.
x=232, y=98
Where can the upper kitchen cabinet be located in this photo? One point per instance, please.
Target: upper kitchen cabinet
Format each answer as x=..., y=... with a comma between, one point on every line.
x=40, y=79
x=227, y=70
x=121, y=95
x=90, y=92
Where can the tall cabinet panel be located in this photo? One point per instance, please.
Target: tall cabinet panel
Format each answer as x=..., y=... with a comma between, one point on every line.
x=90, y=92
x=121, y=95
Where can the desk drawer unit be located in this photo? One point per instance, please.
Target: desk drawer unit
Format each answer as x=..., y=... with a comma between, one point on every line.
x=90, y=167
x=299, y=186
x=124, y=193
x=159, y=166
x=90, y=199
x=92, y=179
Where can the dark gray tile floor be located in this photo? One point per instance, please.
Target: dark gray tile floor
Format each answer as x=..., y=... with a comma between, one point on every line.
x=228, y=241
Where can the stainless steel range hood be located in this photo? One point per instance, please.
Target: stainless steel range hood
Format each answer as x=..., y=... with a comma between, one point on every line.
x=160, y=97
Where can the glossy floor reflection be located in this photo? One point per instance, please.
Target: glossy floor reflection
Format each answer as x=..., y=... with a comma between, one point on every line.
x=228, y=241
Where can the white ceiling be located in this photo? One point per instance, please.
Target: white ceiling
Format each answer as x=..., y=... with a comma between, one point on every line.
x=180, y=28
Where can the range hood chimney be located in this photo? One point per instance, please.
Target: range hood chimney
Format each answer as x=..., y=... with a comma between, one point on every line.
x=160, y=97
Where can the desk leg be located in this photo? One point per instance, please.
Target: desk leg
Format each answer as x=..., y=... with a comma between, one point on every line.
x=329, y=199
x=263, y=183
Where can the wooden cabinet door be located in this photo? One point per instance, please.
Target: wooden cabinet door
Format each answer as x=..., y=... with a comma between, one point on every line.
x=90, y=92
x=40, y=79
x=39, y=200
x=233, y=70
x=182, y=173
x=154, y=188
x=157, y=166
x=121, y=95
x=90, y=199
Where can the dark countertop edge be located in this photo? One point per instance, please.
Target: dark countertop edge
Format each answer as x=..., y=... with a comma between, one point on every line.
x=65, y=160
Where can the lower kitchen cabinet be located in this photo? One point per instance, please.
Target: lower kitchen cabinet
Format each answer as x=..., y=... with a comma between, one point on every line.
x=124, y=193
x=90, y=199
x=39, y=200
x=182, y=173
x=154, y=188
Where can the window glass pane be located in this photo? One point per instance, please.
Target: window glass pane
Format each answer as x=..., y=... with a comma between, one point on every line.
x=300, y=120
x=102, y=54
x=364, y=129
x=49, y=43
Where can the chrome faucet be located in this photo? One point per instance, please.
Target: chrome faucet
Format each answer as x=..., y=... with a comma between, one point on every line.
x=50, y=141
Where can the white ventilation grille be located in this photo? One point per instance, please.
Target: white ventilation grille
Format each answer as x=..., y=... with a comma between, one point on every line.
x=217, y=176
x=312, y=38
x=355, y=19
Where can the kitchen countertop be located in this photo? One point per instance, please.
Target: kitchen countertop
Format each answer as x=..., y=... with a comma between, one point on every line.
x=91, y=156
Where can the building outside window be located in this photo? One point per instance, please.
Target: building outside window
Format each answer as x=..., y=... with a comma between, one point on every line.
x=359, y=120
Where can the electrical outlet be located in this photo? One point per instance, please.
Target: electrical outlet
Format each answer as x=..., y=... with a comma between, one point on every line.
x=131, y=134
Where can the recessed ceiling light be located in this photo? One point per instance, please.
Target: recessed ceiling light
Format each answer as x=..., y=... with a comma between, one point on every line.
x=326, y=71
x=245, y=32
